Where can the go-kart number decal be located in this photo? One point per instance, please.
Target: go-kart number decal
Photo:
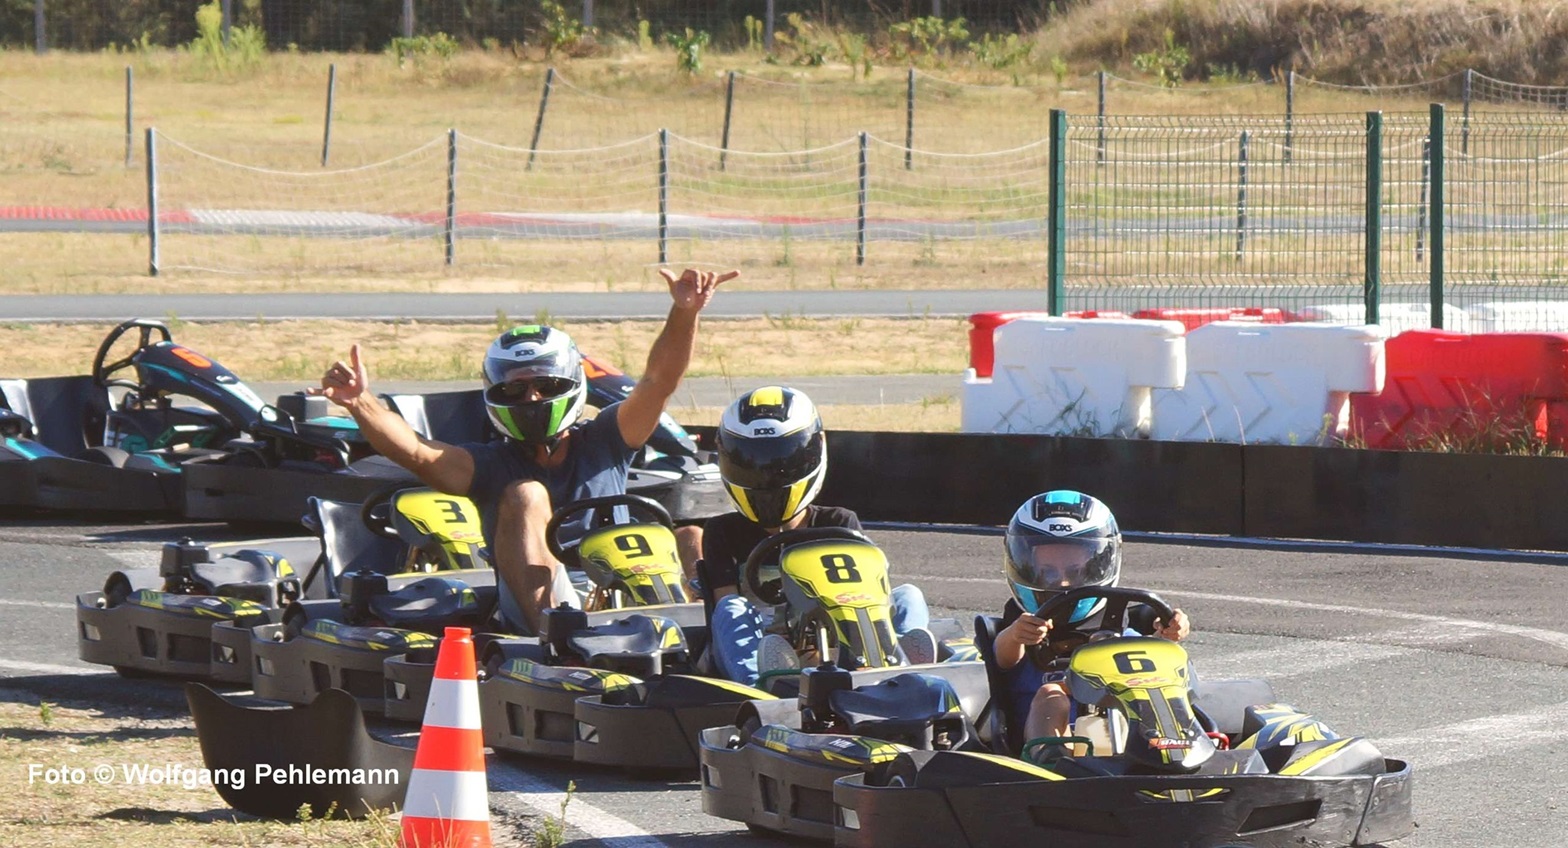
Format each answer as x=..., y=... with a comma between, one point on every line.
x=1133, y=662
x=844, y=574
x=446, y=518
x=634, y=545
x=191, y=356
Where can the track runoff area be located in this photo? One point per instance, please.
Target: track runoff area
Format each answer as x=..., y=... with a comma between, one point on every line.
x=1455, y=660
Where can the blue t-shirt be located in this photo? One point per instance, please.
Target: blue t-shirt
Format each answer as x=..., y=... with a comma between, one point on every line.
x=596, y=465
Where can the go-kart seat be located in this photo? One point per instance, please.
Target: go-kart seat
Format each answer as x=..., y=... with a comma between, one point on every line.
x=634, y=635
x=1010, y=740
x=433, y=602
x=919, y=710
x=347, y=545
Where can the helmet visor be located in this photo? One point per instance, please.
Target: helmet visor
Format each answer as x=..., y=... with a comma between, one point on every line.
x=521, y=387
x=1055, y=565
x=769, y=463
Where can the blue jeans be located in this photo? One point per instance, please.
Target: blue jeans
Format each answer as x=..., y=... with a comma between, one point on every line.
x=736, y=629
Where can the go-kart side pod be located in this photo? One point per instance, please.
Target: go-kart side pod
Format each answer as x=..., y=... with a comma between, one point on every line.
x=527, y=707
x=958, y=799
x=653, y=725
x=154, y=632
x=781, y=779
x=295, y=662
x=257, y=743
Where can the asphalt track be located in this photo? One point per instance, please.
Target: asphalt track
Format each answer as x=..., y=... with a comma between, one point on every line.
x=469, y=307
x=1455, y=660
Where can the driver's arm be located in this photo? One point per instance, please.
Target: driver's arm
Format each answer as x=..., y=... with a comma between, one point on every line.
x=638, y=415
x=1010, y=643
x=446, y=468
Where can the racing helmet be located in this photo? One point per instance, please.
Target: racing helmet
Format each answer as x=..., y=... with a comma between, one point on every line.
x=772, y=454
x=549, y=361
x=1062, y=540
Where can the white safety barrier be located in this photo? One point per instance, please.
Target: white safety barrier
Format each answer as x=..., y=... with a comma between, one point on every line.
x=1270, y=383
x=1393, y=317
x=1075, y=377
x=1532, y=316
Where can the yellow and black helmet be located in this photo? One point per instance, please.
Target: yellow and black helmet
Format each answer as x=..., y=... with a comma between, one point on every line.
x=772, y=454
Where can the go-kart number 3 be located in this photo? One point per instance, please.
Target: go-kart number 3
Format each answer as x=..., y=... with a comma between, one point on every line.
x=454, y=511
x=840, y=568
x=634, y=544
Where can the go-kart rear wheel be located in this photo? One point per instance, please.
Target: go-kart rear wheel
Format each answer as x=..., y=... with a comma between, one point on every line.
x=113, y=457
x=899, y=772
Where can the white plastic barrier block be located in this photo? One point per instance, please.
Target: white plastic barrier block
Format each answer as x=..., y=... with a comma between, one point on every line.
x=1270, y=383
x=1075, y=377
x=1393, y=317
x=1529, y=316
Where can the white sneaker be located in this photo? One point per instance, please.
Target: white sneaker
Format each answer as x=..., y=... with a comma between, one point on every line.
x=919, y=646
x=775, y=653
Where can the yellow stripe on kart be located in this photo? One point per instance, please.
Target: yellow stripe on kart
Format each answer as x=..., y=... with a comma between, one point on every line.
x=1317, y=758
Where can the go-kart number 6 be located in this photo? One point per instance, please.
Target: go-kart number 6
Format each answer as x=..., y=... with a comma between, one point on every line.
x=1133, y=662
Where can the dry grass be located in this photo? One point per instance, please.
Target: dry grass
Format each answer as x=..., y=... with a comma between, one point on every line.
x=90, y=815
x=280, y=351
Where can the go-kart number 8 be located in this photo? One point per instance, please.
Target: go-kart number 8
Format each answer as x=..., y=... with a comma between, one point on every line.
x=840, y=568
x=1133, y=662
x=634, y=544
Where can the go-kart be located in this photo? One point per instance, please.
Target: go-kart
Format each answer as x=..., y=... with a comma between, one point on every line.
x=52, y=454
x=161, y=621
x=393, y=573
x=1147, y=763
x=773, y=767
x=607, y=716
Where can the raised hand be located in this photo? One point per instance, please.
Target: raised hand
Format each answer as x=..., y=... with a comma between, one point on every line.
x=693, y=289
x=344, y=382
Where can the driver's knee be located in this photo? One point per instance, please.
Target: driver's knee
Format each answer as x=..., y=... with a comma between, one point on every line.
x=527, y=502
x=1050, y=708
x=688, y=543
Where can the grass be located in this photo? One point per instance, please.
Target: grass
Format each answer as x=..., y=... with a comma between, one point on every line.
x=741, y=350
x=90, y=815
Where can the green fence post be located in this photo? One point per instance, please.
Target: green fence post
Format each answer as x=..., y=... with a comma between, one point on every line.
x=1056, y=232
x=729, y=109
x=860, y=223
x=1374, y=226
x=153, y=260
x=1439, y=160
x=450, y=233
x=1290, y=112
x=544, y=103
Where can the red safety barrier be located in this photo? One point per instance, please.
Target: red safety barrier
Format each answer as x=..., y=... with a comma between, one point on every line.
x=1194, y=317
x=982, y=352
x=1482, y=391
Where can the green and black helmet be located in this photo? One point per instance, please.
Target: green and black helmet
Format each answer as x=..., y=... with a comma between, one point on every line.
x=534, y=383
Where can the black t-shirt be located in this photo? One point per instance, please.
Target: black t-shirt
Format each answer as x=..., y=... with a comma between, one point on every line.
x=729, y=538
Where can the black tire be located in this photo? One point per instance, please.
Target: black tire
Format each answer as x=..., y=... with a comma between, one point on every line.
x=899, y=771
x=113, y=457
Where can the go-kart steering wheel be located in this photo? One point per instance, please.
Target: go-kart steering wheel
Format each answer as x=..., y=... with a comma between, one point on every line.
x=1059, y=608
x=376, y=511
x=103, y=374
x=771, y=590
x=638, y=508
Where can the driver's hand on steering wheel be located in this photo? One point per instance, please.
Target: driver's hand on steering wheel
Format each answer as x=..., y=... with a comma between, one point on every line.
x=344, y=382
x=1176, y=630
x=1031, y=630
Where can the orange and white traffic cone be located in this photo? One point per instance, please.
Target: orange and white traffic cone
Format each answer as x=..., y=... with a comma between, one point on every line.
x=448, y=802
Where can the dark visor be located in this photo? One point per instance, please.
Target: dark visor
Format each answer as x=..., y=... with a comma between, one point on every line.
x=769, y=462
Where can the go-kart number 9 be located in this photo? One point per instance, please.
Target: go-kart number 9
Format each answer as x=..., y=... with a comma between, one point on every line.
x=1133, y=662
x=840, y=568
x=634, y=545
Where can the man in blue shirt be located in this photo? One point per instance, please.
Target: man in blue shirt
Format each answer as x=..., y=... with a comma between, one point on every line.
x=535, y=391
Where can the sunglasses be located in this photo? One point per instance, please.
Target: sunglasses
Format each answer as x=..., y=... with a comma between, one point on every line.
x=514, y=391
